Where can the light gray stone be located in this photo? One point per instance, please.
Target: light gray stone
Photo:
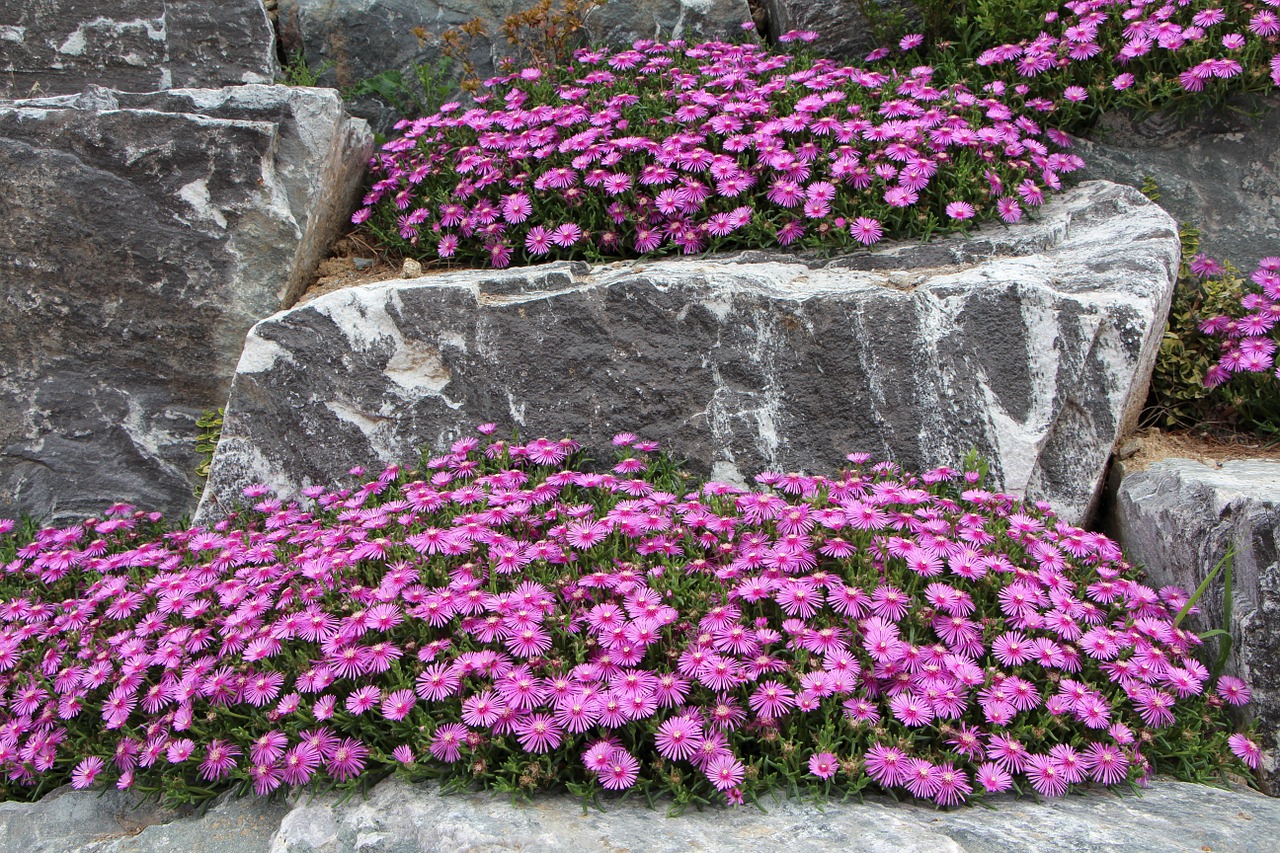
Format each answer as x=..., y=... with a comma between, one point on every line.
x=1172, y=817
x=144, y=234
x=1221, y=174
x=57, y=47
x=1179, y=518
x=1032, y=345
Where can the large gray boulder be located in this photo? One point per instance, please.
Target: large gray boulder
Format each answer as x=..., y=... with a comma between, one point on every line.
x=144, y=234
x=1179, y=518
x=1221, y=174
x=57, y=47
x=397, y=817
x=351, y=41
x=1032, y=345
x=847, y=29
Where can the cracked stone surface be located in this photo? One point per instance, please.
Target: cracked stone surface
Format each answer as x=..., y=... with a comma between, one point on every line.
x=1032, y=345
x=145, y=234
x=1178, y=519
x=57, y=47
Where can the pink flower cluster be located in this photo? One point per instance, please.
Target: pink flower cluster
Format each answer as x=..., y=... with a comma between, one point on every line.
x=671, y=147
x=1248, y=342
x=1208, y=40
x=504, y=602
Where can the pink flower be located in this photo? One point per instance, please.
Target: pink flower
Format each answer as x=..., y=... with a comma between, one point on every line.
x=86, y=772
x=823, y=765
x=1246, y=750
x=866, y=230
x=725, y=771
x=1233, y=690
x=960, y=210
x=620, y=770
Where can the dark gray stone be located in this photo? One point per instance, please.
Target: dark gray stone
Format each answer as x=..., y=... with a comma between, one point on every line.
x=1031, y=344
x=1221, y=174
x=844, y=30
x=351, y=41
x=621, y=22
x=145, y=233
x=1179, y=518
x=56, y=47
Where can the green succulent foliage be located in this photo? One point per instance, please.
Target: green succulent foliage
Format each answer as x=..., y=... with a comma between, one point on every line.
x=419, y=93
x=1178, y=398
x=296, y=72
x=210, y=426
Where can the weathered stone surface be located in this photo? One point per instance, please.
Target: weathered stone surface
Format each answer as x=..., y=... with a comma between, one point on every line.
x=1221, y=174
x=1171, y=817
x=1179, y=518
x=56, y=47
x=354, y=40
x=844, y=30
x=621, y=22
x=1030, y=344
x=144, y=234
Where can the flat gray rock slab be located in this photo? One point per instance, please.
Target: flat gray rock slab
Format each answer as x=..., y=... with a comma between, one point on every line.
x=1178, y=519
x=1224, y=181
x=1032, y=345
x=57, y=47
x=145, y=234
x=1171, y=817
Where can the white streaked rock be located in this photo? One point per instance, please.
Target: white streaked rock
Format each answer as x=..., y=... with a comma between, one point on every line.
x=1031, y=344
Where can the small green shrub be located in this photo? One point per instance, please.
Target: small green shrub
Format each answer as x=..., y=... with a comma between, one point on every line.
x=296, y=71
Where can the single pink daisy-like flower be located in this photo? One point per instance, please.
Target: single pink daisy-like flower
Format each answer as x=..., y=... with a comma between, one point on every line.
x=866, y=230
x=823, y=765
x=1246, y=750
x=678, y=737
x=219, y=760
x=363, y=699
x=1106, y=763
x=772, y=699
x=1233, y=690
x=347, y=760
x=886, y=765
x=86, y=772
x=960, y=210
x=993, y=778
x=1046, y=776
x=538, y=241
x=953, y=786
x=725, y=771
x=538, y=733
x=620, y=770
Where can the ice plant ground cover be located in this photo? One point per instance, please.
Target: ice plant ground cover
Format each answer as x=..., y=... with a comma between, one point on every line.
x=671, y=147
x=504, y=616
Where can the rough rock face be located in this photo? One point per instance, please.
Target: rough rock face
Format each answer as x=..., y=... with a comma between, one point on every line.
x=56, y=47
x=1222, y=175
x=354, y=40
x=1178, y=518
x=844, y=30
x=1031, y=344
x=1172, y=817
x=144, y=234
x=621, y=22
